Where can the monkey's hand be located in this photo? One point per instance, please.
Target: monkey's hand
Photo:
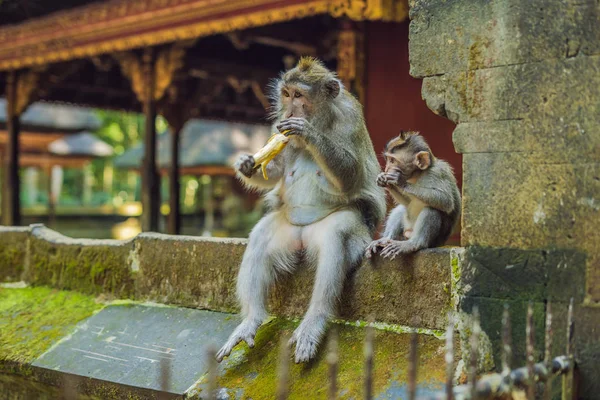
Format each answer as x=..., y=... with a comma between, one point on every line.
x=375, y=245
x=245, y=164
x=382, y=179
x=296, y=126
x=395, y=178
x=396, y=248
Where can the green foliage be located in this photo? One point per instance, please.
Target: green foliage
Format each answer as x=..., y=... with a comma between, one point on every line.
x=122, y=131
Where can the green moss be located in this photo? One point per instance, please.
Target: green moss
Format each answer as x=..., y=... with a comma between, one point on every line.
x=32, y=319
x=88, y=269
x=12, y=257
x=455, y=268
x=253, y=372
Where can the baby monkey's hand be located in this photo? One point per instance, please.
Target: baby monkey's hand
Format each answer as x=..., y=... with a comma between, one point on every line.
x=394, y=178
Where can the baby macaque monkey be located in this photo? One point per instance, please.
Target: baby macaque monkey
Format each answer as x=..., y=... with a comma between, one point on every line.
x=425, y=189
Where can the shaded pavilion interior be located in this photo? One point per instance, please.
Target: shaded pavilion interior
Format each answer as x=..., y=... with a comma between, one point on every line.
x=190, y=59
x=48, y=133
x=41, y=125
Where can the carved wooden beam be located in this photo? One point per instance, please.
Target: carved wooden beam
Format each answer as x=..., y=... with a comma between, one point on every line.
x=26, y=83
x=242, y=42
x=361, y=10
x=167, y=62
x=131, y=67
x=117, y=26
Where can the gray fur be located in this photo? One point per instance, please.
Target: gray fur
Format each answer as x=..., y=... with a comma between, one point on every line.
x=325, y=206
x=430, y=207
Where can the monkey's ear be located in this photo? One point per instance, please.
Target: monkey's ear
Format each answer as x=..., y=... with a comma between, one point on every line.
x=332, y=88
x=423, y=160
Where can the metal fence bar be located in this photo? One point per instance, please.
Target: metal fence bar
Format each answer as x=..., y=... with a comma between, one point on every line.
x=476, y=330
x=283, y=376
x=211, y=373
x=568, y=378
x=369, y=351
x=332, y=363
x=506, y=350
x=165, y=377
x=529, y=349
x=508, y=384
x=69, y=387
x=413, y=360
x=450, y=358
x=548, y=351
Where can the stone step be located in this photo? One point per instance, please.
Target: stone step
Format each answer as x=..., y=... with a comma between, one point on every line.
x=201, y=273
x=66, y=339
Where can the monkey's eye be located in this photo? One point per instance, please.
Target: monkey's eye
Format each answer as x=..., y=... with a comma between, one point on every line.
x=297, y=94
x=286, y=94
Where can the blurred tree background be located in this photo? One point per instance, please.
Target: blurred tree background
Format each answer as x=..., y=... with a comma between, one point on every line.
x=122, y=131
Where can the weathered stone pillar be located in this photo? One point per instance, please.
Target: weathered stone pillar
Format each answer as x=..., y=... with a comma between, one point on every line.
x=522, y=81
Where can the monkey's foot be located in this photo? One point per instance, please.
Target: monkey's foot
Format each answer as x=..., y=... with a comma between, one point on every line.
x=375, y=245
x=307, y=338
x=244, y=332
x=396, y=248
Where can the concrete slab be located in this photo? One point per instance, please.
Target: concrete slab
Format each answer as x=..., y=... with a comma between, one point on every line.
x=125, y=344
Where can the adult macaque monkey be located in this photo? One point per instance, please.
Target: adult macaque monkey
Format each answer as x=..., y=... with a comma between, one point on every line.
x=424, y=187
x=324, y=200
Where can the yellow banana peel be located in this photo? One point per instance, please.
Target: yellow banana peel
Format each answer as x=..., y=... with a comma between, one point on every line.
x=274, y=145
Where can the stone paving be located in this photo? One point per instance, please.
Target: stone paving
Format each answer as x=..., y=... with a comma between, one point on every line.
x=117, y=351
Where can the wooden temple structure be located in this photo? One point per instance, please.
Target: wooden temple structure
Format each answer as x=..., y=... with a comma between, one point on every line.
x=208, y=59
x=41, y=126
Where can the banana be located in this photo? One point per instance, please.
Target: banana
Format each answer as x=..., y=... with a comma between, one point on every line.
x=274, y=145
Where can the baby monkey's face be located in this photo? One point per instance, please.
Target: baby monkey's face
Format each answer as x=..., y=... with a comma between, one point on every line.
x=407, y=155
x=400, y=161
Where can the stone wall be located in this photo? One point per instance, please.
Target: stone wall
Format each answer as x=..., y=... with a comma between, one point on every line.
x=201, y=273
x=522, y=81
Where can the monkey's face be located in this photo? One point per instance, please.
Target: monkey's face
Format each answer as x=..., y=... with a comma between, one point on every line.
x=400, y=162
x=295, y=101
x=406, y=162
